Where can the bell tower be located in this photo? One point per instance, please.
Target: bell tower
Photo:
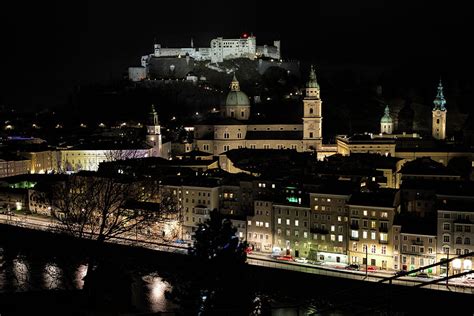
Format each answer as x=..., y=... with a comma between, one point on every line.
x=386, y=123
x=439, y=114
x=312, y=119
x=153, y=137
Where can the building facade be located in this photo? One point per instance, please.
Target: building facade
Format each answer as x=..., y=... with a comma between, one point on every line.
x=235, y=128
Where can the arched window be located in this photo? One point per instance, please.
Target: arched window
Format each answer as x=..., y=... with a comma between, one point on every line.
x=467, y=241
x=310, y=110
x=458, y=240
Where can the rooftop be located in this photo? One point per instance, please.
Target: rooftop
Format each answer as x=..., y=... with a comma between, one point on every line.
x=381, y=198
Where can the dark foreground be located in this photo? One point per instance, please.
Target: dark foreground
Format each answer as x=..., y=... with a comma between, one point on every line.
x=186, y=287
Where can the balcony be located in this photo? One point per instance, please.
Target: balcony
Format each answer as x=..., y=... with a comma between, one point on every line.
x=417, y=242
x=354, y=226
x=354, y=238
x=317, y=230
x=384, y=242
x=383, y=229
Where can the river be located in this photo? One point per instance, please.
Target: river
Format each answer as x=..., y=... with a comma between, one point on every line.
x=43, y=273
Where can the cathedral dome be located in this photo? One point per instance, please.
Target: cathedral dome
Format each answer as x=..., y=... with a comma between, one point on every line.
x=386, y=118
x=235, y=96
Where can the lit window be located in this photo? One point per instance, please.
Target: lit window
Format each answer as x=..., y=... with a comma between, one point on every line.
x=339, y=238
x=296, y=222
x=267, y=224
x=333, y=237
x=249, y=223
x=372, y=235
x=333, y=228
x=279, y=220
x=364, y=234
x=365, y=213
x=287, y=221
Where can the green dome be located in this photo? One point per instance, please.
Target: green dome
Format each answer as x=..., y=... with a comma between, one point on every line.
x=386, y=118
x=235, y=96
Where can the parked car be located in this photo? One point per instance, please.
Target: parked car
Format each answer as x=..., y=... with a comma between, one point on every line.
x=353, y=266
x=422, y=275
x=371, y=268
x=285, y=258
x=301, y=260
x=401, y=273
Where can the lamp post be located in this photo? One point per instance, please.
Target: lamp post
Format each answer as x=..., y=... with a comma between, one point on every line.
x=447, y=267
x=366, y=261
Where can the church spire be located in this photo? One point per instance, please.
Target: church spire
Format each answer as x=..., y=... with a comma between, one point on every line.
x=440, y=101
x=153, y=117
x=312, y=82
x=234, y=85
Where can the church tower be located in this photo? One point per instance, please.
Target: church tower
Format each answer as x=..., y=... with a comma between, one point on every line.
x=153, y=137
x=439, y=114
x=312, y=119
x=386, y=123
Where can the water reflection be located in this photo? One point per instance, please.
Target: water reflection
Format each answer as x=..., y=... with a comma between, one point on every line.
x=79, y=276
x=156, y=293
x=21, y=274
x=52, y=276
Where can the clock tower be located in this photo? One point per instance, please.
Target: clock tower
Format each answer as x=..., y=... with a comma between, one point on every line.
x=312, y=119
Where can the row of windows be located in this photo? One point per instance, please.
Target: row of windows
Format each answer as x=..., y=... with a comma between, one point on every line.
x=199, y=201
x=355, y=212
x=422, y=261
x=328, y=217
x=418, y=239
x=296, y=222
x=373, y=235
x=373, y=248
x=467, y=241
x=421, y=249
x=365, y=224
x=198, y=194
x=294, y=212
x=259, y=224
x=459, y=228
x=456, y=216
x=255, y=236
x=295, y=232
x=260, y=212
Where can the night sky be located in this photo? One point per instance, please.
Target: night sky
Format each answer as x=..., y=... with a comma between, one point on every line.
x=59, y=45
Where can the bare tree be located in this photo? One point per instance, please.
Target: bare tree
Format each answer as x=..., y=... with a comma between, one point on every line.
x=124, y=154
x=101, y=207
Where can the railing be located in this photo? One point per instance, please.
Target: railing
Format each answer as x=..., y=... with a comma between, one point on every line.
x=417, y=242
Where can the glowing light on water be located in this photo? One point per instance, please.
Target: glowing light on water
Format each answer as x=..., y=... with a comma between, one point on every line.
x=21, y=274
x=52, y=276
x=156, y=296
x=81, y=272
